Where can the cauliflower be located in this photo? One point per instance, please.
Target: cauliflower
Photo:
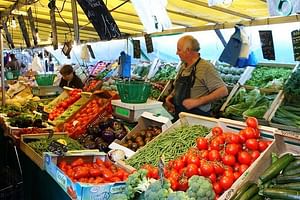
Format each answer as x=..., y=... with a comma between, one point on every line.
x=200, y=188
x=156, y=191
x=179, y=195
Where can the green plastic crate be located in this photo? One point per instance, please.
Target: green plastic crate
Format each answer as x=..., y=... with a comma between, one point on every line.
x=44, y=79
x=133, y=91
x=12, y=74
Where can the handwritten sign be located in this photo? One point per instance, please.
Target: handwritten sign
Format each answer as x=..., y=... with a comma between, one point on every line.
x=266, y=40
x=100, y=17
x=136, y=49
x=296, y=44
x=24, y=30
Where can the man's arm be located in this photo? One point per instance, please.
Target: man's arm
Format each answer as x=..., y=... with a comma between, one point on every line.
x=196, y=102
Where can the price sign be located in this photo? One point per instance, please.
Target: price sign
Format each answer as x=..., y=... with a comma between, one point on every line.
x=161, y=165
x=296, y=44
x=267, y=46
x=57, y=148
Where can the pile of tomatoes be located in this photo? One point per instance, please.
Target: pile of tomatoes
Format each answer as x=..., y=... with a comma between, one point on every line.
x=223, y=158
x=78, y=123
x=93, y=172
x=74, y=95
x=92, y=85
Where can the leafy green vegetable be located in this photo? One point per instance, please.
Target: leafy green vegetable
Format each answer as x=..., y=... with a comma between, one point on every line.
x=269, y=77
x=291, y=87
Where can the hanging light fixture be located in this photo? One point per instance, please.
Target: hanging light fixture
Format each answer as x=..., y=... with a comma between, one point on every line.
x=13, y=22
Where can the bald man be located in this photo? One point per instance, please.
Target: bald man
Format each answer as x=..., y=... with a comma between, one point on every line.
x=197, y=83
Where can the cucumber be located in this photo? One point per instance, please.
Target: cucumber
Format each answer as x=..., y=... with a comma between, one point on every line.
x=252, y=191
x=281, y=194
x=290, y=186
x=292, y=171
x=257, y=197
x=274, y=169
x=293, y=165
x=288, y=179
x=241, y=190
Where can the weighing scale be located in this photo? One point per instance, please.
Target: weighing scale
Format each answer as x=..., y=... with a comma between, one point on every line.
x=131, y=112
x=46, y=91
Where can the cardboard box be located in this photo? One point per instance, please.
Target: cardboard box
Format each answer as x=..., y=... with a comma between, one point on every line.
x=284, y=143
x=146, y=120
x=81, y=191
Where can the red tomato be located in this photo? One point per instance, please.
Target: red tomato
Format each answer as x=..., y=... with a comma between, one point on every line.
x=95, y=172
x=115, y=179
x=232, y=139
x=207, y=169
x=250, y=133
x=213, y=177
x=174, y=184
x=252, y=144
x=232, y=149
x=228, y=159
x=217, y=188
x=107, y=174
x=262, y=145
x=215, y=145
x=217, y=131
x=218, y=168
x=154, y=173
x=204, y=154
x=236, y=175
x=244, y=158
x=254, y=155
x=214, y=155
x=178, y=165
x=191, y=170
x=236, y=167
x=77, y=162
x=226, y=182
x=243, y=168
x=193, y=159
x=252, y=122
x=202, y=143
x=183, y=184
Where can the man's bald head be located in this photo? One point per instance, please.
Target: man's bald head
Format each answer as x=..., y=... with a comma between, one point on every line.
x=190, y=42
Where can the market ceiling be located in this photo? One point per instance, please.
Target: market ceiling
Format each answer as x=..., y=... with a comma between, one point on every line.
x=185, y=15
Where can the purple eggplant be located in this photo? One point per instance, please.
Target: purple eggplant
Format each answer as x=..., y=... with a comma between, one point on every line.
x=108, y=135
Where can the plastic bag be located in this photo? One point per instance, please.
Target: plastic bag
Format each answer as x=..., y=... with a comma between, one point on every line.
x=36, y=65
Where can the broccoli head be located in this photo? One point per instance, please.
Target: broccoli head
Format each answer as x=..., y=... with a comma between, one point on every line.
x=179, y=195
x=200, y=188
x=158, y=191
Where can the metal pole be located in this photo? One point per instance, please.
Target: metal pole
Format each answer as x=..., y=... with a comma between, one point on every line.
x=2, y=67
x=75, y=21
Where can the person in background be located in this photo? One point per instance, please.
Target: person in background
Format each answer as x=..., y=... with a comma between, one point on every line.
x=14, y=64
x=69, y=78
x=197, y=83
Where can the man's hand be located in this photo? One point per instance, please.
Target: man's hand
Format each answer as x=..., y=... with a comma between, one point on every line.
x=169, y=104
x=190, y=103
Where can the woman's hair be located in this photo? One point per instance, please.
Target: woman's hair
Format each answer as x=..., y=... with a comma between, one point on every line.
x=66, y=70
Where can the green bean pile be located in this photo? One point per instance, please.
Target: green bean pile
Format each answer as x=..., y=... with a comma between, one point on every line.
x=171, y=144
x=41, y=145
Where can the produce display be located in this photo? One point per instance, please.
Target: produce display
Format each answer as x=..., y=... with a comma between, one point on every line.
x=156, y=90
x=101, y=135
x=63, y=105
x=170, y=144
x=248, y=103
x=165, y=73
x=279, y=181
x=77, y=125
x=288, y=114
x=41, y=145
x=97, y=172
x=291, y=88
x=99, y=67
x=34, y=130
x=92, y=85
x=139, y=139
x=141, y=70
x=110, y=84
x=230, y=74
x=269, y=77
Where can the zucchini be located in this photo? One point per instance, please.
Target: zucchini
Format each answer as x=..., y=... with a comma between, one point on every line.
x=292, y=165
x=290, y=186
x=274, y=169
x=281, y=194
x=292, y=171
x=251, y=192
x=241, y=190
x=257, y=197
x=288, y=179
